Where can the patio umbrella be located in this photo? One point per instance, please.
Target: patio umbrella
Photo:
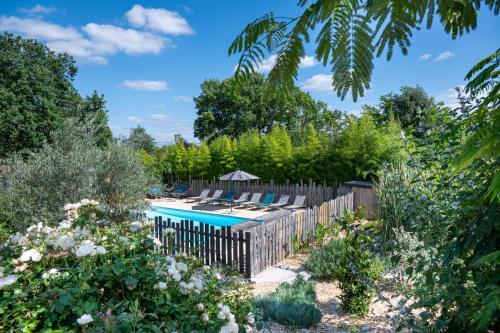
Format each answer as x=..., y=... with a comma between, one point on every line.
x=240, y=176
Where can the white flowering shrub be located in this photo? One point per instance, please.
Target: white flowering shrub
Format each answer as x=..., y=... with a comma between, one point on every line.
x=92, y=275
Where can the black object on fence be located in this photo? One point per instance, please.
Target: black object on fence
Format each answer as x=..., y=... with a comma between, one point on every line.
x=203, y=241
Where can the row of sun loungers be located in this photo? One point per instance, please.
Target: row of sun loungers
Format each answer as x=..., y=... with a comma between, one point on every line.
x=254, y=201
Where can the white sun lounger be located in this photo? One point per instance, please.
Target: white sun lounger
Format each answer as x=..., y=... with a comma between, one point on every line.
x=203, y=195
x=297, y=203
x=253, y=200
x=283, y=201
x=217, y=194
x=243, y=197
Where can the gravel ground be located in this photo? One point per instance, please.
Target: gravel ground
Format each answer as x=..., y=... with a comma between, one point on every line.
x=328, y=301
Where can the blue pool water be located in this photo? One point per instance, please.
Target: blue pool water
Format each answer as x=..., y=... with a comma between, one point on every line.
x=176, y=215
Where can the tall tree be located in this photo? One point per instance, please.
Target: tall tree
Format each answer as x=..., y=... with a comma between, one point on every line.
x=416, y=111
x=221, y=150
x=276, y=155
x=36, y=93
x=94, y=110
x=140, y=139
x=226, y=108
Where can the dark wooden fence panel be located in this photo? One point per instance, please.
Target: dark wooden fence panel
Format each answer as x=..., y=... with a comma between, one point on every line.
x=211, y=245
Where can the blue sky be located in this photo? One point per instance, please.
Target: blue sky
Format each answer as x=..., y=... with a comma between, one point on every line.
x=149, y=58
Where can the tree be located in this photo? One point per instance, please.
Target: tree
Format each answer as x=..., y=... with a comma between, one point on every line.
x=68, y=168
x=350, y=33
x=276, y=155
x=36, y=93
x=204, y=160
x=226, y=108
x=94, y=110
x=222, y=155
x=307, y=155
x=140, y=139
x=364, y=147
x=248, y=156
x=413, y=108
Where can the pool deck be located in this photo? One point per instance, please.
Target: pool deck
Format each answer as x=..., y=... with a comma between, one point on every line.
x=213, y=209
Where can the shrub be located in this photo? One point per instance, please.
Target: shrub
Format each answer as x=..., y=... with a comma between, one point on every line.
x=357, y=275
x=89, y=273
x=348, y=261
x=35, y=187
x=291, y=304
x=324, y=263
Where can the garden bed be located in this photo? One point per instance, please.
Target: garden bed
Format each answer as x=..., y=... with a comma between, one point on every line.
x=380, y=318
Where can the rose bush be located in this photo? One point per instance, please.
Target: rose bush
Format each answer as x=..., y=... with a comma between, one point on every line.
x=89, y=275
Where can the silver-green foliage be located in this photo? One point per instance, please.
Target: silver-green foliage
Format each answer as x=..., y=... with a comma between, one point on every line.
x=292, y=304
x=70, y=167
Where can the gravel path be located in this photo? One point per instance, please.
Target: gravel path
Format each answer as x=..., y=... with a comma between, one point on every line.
x=328, y=301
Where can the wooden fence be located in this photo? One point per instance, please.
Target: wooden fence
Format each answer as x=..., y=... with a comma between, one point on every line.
x=209, y=243
x=275, y=240
x=316, y=194
x=251, y=246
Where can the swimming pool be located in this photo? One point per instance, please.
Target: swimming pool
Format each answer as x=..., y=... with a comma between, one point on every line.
x=176, y=215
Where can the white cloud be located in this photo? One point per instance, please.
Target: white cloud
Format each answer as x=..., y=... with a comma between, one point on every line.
x=182, y=98
x=445, y=55
x=136, y=120
x=268, y=63
x=321, y=83
x=449, y=96
x=425, y=56
x=145, y=85
x=37, y=10
x=96, y=42
x=159, y=106
x=158, y=19
x=307, y=61
x=159, y=117
x=111, y=39
x=39, y=29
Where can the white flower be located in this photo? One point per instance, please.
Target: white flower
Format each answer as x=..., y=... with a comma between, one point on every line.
x=100, y=250
x=53, y=271
x=157, y=242
x=66, y=224
x=204, y=316
x=18, y=239
x=65, y=243
x=181, y=267
x=170, y=231
x=32, y=254
x=124, y=239
x=218, y=276
x=134, y=226
x=230, y=327
x=176, y=276
x=85, y=319
x=170, y=259
x=221, y=315
x=162, y=285
x=89, y=248
x=200, y=307
x=7, y=281
x=81, y=232
x=85, y=250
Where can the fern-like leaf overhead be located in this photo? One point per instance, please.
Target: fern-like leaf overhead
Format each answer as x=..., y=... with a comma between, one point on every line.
x=346, y=40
